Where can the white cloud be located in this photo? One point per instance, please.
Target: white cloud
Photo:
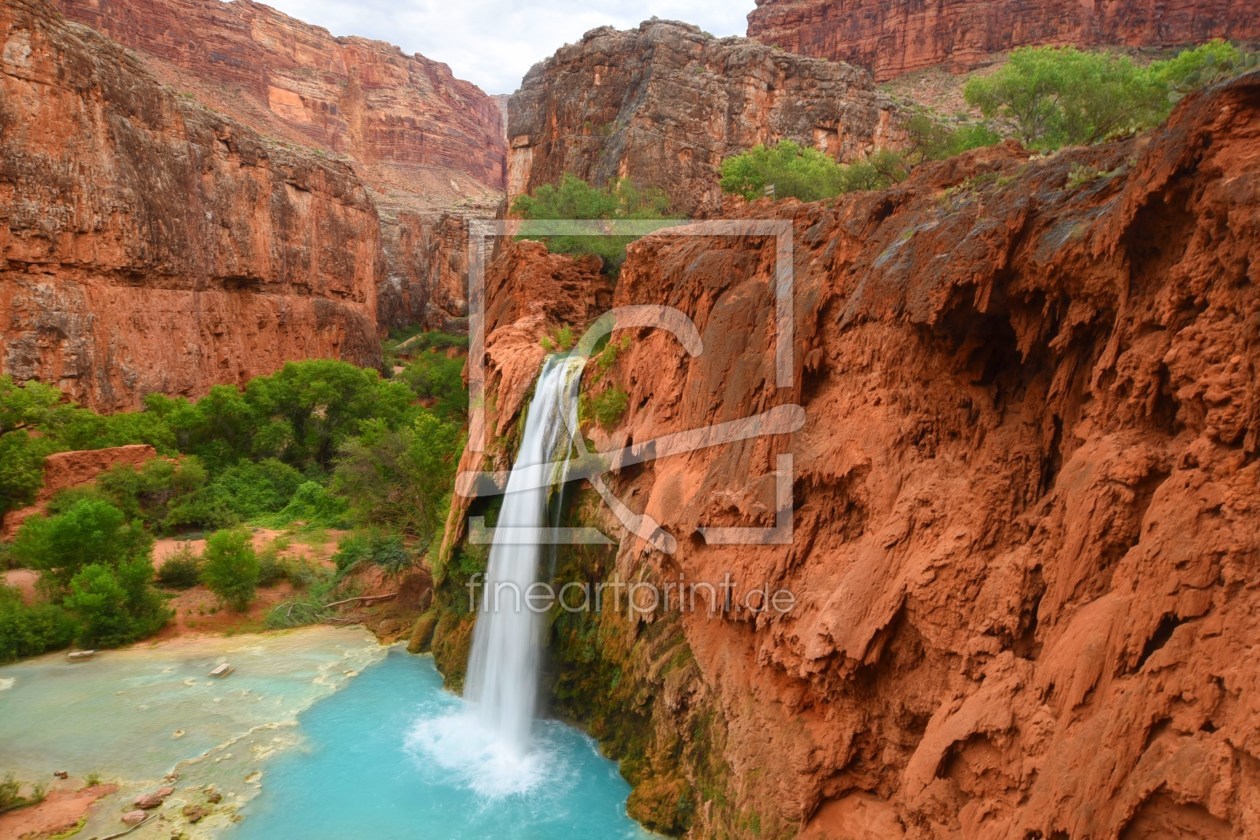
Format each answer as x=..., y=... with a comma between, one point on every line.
x=494, y=42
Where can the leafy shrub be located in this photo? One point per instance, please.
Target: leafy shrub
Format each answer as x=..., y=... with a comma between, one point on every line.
x=90, y=532
x=1195, y=68
x=400, y=478
x=415, y=340
x=303, y=414
x=21, y=468
x=115, y=605
x=182, y=570
x=208, y=508
x=807, y=174
x=230, y=568
x=271, y=563
x=609, y=406
x=440, y=380
x=149, y=492
x=573, y=198
x=261, y=487
x=31, y=630
x=560, y=340
x=11, y=797
x=312, y=505
x=388, y=552
x=933, y=139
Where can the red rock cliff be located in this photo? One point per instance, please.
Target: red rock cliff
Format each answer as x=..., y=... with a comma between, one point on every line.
x=149, y=244
x=422, y=141
x=891, y=38
x=1025, y=518
x=664, y=104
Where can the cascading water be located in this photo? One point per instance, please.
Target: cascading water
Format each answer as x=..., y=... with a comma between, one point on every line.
x=489, y=744
x=502, y=678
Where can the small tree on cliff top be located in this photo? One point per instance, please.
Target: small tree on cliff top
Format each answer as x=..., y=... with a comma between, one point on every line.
x=573, y=198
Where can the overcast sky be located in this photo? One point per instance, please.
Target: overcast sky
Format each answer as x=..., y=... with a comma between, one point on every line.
x=494, y=42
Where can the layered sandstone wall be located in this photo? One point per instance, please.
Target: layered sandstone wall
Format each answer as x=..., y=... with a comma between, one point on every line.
x=892, y=38
x=150, y=244
x=422, y=141
x=1025, y=521
x=664, y=104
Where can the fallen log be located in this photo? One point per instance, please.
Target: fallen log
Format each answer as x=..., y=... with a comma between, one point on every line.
x=363, y=599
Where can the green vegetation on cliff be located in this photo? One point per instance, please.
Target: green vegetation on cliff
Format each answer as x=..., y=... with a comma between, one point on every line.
x=574, y=199
x=1050, y=97
x=795, y=171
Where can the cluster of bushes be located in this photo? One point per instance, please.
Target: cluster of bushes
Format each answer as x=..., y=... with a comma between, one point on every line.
x=796, y=171
x=573, y=198
x=321, y=443
x=1049, y=97
x=96, y=579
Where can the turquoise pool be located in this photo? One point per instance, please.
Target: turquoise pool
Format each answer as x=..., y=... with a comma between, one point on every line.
x=393, y=755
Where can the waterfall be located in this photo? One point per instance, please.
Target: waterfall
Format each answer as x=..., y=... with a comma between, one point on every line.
x=502, y=678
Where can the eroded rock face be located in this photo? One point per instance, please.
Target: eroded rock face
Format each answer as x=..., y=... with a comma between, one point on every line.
x=1025, y=518
x=150, y=244
x=423, y=142
x=664, y=104
x=892, y=38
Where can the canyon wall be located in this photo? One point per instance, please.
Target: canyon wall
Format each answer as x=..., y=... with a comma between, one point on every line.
x=150, y=244
x=892, y=38
x=423, y=142
x=664, y=104
x=1024, y=519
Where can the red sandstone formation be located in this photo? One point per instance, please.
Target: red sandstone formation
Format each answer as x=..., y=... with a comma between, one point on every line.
x=63, y=470
x=150, y=244
x=892, y=38
x=664, y=104
x=1025, y=506
x=423, y=142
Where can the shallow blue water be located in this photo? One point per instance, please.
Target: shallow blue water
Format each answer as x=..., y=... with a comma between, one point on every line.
x=393, y=756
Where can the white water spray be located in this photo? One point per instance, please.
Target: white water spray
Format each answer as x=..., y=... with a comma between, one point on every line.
x=502, y=678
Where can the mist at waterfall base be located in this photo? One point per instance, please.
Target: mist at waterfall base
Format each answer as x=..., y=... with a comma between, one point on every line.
x=491, y=743
x=357, y=774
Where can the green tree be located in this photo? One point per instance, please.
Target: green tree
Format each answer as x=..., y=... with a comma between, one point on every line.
x=92, y=531
x=116, y=605
x=230, y=568
x=573, y=198
x=23, y=409
x=439, y=381
x=1056, y=96
x=29, y=630
x=151, y=491
x=306, y=411
x=400, y=477
x=21, y=468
